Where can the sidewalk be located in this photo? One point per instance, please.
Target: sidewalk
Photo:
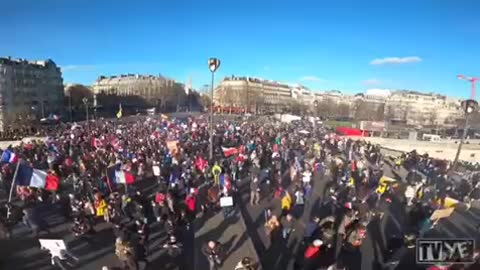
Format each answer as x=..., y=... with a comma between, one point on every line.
x=231, y=233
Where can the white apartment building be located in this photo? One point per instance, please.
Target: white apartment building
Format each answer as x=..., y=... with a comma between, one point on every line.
x=29, y=91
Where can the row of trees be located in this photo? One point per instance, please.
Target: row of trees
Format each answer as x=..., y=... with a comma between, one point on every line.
x=359, y=110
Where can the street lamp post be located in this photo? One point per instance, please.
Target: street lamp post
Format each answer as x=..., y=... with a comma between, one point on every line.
x=213, y=64
x=85, y=101
x=469, y=106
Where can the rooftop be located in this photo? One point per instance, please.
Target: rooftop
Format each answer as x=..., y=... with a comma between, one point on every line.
x=20, y=61
x=132, y=76
x=255, y=80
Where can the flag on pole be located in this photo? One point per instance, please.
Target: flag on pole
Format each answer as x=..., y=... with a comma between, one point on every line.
x=123, y=177
x=119, y=113
x=28, y=176
x=9, y=157
x=229, y=151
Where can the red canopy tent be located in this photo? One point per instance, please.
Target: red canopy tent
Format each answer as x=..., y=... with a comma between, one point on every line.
x=347, y=131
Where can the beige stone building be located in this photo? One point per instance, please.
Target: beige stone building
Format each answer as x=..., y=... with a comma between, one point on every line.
x=417, y=108
x=253, y=93
x=29, y=91
x=155, y=90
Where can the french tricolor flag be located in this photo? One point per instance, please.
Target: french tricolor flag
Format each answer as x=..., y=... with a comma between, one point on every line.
x=28, y=176
x=9, y=157
x=123, y=177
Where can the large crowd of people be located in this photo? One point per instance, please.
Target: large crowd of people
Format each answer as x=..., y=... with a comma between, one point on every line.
x=94, y=173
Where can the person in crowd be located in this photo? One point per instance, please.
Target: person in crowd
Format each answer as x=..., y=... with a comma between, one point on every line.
x=254, y=191
x=312, y=254
x=245, y=264
x=311, y=227
x=272, y=225
x=126, y=254
x=173, y=246
x=213, y=251
x=288, y=226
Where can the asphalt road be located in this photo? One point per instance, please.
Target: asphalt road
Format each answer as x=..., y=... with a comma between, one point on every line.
x=22, y=251
x=281, y=255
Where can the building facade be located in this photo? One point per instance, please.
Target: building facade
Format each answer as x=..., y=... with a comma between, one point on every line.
x=153, y=90
x=415, y=108
x=29, y=91
x=409, y=107
x=252, y=93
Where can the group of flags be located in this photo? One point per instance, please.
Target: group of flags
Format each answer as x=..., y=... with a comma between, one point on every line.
x=27, y=176
x=102, y=143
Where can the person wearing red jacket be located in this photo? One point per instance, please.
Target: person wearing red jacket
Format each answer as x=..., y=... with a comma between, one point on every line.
x=311, y=255
x=190, y=202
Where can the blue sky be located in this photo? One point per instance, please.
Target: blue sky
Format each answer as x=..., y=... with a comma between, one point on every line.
x=419, y=45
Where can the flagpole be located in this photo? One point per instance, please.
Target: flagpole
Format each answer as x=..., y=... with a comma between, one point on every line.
x=11, y=187
x=108, y=180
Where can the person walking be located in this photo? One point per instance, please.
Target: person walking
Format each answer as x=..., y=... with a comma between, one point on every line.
x=126, y=254
x=287, y=226
x=212, y=250
x=254, y=191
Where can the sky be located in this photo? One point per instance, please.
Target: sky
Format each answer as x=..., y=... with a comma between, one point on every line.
x=351, y=46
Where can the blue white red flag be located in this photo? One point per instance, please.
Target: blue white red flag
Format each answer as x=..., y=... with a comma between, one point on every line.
x=9, y=156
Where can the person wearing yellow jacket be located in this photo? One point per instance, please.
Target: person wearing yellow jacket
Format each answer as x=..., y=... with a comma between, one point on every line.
x=286, y=202
x=100, y=206
x=216, y=171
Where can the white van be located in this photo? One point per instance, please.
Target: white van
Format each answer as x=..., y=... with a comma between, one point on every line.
x=151, y=111
x=431, y=137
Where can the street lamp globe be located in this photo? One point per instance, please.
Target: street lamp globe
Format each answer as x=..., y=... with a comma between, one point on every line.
x=213, y=64
x=469, y=106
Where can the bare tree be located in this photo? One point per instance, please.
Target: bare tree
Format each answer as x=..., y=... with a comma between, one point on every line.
x=389, y=114
x=433, y=117
x=361, y=111
x=343, y=110
x=205, y=101
x=380, y=114
x=75, y=93
x=325, y=108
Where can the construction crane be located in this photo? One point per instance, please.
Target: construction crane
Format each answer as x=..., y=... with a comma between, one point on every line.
x=473, y=81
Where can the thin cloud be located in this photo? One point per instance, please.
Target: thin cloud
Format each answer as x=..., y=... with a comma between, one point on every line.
x=372, y=82
x=396, y=60
x=311, y=79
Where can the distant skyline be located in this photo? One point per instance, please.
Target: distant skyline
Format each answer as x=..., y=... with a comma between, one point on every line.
x=346, y=45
